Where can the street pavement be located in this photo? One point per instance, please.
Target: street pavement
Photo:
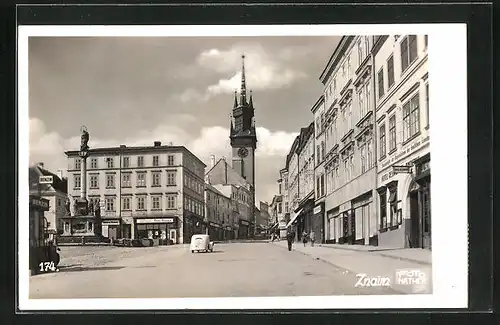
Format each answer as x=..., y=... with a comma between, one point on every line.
x=256, y=269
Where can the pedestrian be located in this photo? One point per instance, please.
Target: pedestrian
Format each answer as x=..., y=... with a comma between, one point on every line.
x=304, y=238
x=290, y=236
x=312, y=236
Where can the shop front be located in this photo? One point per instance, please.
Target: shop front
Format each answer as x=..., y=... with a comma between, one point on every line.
x=243, y=229
x=111, y=228
x=420, y=204
x=306, y=222
x=37, y=208
x=215, y=231
x=162, y=230
x=193, y=224
x=318, y=222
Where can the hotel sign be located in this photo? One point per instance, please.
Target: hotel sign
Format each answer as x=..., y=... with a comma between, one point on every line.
x=111, y=222
x=40, y=203
x=406, y=169
x=156, y=220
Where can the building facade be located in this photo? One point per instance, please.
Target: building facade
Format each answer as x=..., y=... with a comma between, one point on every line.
x=218, y=213
x=283, y=199
x=320, y=177
x=224, y=178
x=349, y=157
x=144, y=192
x=55, y=190
x=402, y=119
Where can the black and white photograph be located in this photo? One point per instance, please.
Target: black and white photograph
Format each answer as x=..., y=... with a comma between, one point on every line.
x=229, y=167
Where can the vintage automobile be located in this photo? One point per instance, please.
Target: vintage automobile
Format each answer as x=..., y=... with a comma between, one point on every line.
x=201, y=243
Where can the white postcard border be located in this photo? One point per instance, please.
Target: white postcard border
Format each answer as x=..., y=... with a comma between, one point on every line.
x=448, y=84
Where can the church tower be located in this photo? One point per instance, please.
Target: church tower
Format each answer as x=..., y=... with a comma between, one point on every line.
x=242, y=133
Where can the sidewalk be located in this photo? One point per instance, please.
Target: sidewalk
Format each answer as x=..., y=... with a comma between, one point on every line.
x=369, y=260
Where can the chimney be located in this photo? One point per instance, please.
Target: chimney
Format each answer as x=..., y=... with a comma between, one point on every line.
x=157, y=143
x=40, y=164
x=212, y=161
x=60, y=174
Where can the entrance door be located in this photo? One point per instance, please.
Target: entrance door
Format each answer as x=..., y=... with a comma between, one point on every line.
x=126, y=231
x=173, y=236
x=112, y=232
x=414, y=221
x=426, y=217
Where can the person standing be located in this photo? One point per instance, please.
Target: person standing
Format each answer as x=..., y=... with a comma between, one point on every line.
x=304, y=238
x=312, y=237
x=290, y=236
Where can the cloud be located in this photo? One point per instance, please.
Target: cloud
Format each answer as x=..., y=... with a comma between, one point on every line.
x=263, y=71
x=273, y=146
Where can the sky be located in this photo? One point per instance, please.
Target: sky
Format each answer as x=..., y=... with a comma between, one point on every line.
x=137, y=90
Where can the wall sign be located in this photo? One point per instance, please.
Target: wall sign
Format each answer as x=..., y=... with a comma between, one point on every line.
x=40, y=203
x=111, y=222
x=318, y=209
x=156, y=220
x=45, y=179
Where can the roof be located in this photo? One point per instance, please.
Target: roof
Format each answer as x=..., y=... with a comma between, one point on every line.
x=241, y=180
x=213, y=189
x=136, y=149
x=58, y=184
x=335, y=58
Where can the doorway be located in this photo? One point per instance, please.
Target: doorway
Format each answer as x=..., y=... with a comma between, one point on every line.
x=414, y=221
x=173, y=236
x=426, y=216
x=126, y=231
x=112, y=232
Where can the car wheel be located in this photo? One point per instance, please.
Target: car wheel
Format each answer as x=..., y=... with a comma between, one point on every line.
x=192, y=251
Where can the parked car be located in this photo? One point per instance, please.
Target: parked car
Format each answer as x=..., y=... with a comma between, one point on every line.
x=201, y=243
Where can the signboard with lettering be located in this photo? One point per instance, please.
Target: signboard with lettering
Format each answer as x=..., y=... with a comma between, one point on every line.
x=111, y=222
x=45, y=179
x=405, y=169
x=156, y=220
x=42, y=204
x=318, y=209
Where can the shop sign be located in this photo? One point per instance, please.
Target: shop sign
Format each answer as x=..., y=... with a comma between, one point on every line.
x=406, y=150
x=45, y=180
x=40, y=203
x=405, y=169
x=156, y=220
x=244, y=222
x=318, y=209
x=111, y=222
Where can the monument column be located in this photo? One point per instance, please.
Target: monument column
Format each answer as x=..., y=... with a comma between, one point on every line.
x=84, y=153
x=83, y=194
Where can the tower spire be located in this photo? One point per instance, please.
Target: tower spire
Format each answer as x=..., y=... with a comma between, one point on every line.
x=250, y=102
x=235, y=99
x=243, y=98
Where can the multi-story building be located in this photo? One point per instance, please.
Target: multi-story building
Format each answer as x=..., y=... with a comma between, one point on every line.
x=232, y=184
x=282, y=202
x=218, y=213
x=144, y=192
x=321, y=139
x=53, y=188
x=301, y=180
x=265, y=215
x=402, y=119
x=349, y=158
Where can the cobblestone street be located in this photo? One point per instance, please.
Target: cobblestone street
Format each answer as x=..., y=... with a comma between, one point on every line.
x=232, y=270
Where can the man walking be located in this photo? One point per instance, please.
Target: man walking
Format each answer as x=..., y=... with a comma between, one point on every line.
x=312, y=237
x=290, y=236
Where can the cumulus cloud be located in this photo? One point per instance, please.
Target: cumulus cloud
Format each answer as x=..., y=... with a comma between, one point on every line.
x=48, y=147
x=262, y=70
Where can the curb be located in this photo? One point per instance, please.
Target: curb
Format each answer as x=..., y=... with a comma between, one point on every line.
x=381, y=254
x=340, y=268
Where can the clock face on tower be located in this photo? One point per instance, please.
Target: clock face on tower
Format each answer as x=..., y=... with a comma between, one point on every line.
x=243, y=152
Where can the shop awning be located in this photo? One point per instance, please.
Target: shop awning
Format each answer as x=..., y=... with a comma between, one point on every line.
x=294, y=218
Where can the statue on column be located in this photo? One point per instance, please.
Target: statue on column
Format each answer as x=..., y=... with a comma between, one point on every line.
x=84, y=139
x=68, y=206
x=72, y=205
x=97, y=208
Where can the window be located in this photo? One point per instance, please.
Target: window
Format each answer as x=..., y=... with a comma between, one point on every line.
x=352, y=169
x=348, y=111
x=392, y=133
x=279, y=188
x=94, y=181
x=408, y=51
x=427, y=103
x=348, y=67
x=76, y=181
x=286, y=207
x=140, y=161
x=411, y=118
x=126, y=180
x=318, y=153
x=280, y=208
x=93, y=163
x=426, y=40
x=141, y=179
x=78, y=163
x=318, y=189
x=141, y=203
x=156, y=202
x=110, y=162
x=110, y=204
x=322, y=177
x=126, y=162
x=110, y=180
x=393, y=200
x=156, y=178
x=383, y=209
x=170, y=160
x=382, y=142
x=322, y=150
x=347, y=171
x=380, y=83
x=126, y=203
x=362, y=154
x=390, y=72
x=156, y=161
x=171, y=178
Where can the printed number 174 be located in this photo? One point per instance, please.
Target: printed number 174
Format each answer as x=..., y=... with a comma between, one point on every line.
x=47, y=266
